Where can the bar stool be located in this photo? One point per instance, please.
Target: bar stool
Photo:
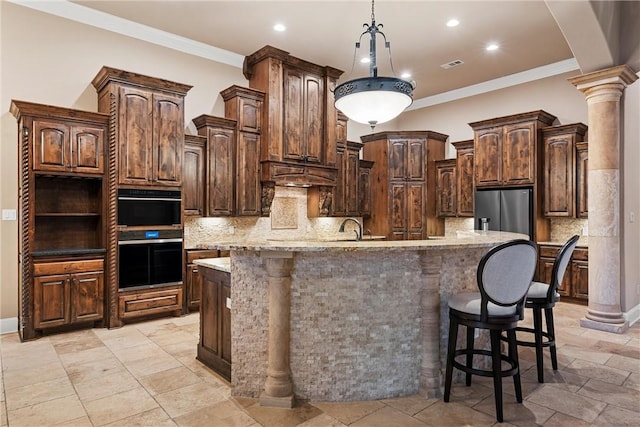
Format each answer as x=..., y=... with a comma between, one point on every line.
x=544, y=296
x=504, y=276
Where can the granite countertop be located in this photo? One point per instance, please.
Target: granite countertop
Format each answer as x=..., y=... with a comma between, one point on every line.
x=581, y=243
x=221, y=264
x=462, y=239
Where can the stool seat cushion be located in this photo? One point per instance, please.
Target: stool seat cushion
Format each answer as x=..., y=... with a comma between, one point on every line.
x=469, y=302
x=539, y=290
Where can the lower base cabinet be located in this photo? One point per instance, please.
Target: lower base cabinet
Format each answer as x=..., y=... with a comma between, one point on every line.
x=575, y=284
x=193, y=279
x=68, y=292
x=214, y=348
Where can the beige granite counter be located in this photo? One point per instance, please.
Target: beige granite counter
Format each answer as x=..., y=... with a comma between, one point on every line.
x=220, y=264
x=346, y=320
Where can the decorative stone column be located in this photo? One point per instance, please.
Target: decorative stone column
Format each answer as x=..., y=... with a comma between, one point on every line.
x=603, y=90
x=278, y=388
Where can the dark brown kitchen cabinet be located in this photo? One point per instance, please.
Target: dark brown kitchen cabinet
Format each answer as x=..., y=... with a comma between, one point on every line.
x=193, y=278
x=214, y=348
x=345, y=194
x=61, y=217
x=582, y=160
x=507, y=149
x=298, y=144
x=148, y=119
x=245, y=107
x=64, y=147
x=464, y=172
x=403, y=183
x=560, y=169
x=364, y=188
x=575, y=284
x=67, y=292
x=194, y=174
x=446, y=185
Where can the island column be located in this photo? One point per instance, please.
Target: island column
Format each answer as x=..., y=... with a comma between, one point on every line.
x=278, y=388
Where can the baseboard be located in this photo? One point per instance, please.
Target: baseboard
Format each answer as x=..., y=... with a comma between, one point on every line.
x=633, y=315
x=8, y=325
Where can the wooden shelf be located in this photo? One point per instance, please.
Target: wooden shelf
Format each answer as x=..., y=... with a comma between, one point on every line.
x=68, y=214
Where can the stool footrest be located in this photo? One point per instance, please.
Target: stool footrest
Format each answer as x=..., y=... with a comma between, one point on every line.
x=484, y=372
x=547, y=341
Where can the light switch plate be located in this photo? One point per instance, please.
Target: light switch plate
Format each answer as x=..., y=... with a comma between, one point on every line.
x=8, y=214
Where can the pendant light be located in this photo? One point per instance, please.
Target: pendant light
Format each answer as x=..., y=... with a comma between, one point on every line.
x=373, y=100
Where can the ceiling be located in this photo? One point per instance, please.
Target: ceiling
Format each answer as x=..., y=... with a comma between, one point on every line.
x=325, y=32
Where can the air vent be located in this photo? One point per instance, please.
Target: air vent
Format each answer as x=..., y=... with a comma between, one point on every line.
x=452, y=64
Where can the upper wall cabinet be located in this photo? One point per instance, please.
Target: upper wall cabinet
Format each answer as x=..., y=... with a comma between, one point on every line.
x=298, y=144
x=507, y=150
x=147, y=115
x=194, y=174
x=562, y=167
x=464, y=172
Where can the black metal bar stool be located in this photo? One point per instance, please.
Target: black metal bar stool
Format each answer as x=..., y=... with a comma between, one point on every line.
x=504, y=276
x=542, y=296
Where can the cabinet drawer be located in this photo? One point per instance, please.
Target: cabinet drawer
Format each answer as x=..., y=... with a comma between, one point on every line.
x=152, y=302
x=68, y=267
x=548, y=251
x=581, y=254
x=193, y=255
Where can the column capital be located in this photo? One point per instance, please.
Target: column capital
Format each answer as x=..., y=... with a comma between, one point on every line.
x=622, y=74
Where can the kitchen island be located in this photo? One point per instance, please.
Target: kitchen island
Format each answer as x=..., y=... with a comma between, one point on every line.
x=345, y=320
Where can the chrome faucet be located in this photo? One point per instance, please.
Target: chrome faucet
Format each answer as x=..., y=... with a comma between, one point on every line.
x=358, y=231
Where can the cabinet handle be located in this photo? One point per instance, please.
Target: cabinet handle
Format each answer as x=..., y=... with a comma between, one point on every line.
x=195, y=270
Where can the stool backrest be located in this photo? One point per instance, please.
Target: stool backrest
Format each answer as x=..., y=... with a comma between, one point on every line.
x=560, y=266
x=505, y=274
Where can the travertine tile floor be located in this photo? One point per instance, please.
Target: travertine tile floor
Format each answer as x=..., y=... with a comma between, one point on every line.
x=146, y=374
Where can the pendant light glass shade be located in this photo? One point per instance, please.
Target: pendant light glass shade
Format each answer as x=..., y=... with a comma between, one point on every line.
x=373, y=100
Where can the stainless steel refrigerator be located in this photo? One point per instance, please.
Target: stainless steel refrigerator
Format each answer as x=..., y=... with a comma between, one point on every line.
x=505, y=210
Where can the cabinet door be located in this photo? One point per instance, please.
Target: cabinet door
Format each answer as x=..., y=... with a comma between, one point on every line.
x=50, y=146
x=220, y=173
x=582, y=161
x=87, y=149
x=415, y=212
x=445, y=190
x=488, y=157
x=398, y=159
x=250, y=117
x=193, y=287
x=193, y=186
x=168, y=139
x=364, y=191
x=416, y=160
x=398, y=202
x=87, y=301
x=135, y=137
x=464, y=170
x=558, y=176
x=51, y=301
x=292, y=138
x=519, y=154
x=313, y=125
x=351, y=182
x=248, y=174
x=209, y=315
x=339, y=191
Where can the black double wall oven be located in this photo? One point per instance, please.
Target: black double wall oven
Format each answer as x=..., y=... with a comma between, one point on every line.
x=149, y=238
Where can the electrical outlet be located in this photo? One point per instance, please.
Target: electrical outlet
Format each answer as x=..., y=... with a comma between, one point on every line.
x=231, y=229
x=8, y=214
x=585, y=230
x=632, y=216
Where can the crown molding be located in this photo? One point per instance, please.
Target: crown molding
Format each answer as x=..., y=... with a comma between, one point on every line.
x=499, y=83
x=95, y=18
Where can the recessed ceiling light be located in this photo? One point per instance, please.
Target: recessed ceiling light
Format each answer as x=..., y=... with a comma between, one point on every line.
x=452, y=22
x=405, y=75
x=365, y=60
x=279, y=27
x=492, y=46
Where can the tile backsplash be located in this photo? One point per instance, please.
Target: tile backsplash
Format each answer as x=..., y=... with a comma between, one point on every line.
x=288, y=221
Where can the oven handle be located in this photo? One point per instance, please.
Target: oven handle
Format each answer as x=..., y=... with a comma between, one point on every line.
x=141, y=242
x=159, y=199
